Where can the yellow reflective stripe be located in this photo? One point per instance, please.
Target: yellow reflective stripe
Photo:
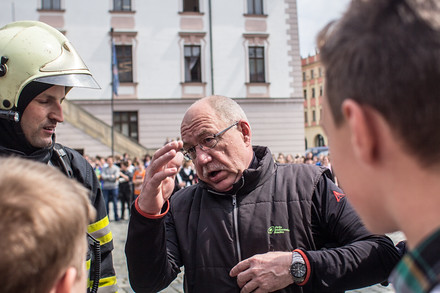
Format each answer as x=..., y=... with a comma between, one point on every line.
x=105, y=284
x=88, y=263
x=98, y=225
x=101, y=232
x=108, y=289
x=105, y=239
x=109, y=281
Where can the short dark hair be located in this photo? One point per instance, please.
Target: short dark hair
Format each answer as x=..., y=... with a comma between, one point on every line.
x=385, y=54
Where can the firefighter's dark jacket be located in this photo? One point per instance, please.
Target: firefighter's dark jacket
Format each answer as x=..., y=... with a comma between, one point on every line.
x=99, y=229
x=276, y=207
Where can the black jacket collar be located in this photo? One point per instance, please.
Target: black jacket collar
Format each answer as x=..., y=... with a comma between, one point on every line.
x=260, y=169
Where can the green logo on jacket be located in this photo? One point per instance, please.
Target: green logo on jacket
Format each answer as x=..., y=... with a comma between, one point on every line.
x=277, y=230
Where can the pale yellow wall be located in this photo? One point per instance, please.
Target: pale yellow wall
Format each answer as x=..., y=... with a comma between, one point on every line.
x=311, y=129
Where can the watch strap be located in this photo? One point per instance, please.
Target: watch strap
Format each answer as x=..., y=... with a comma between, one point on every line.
x=307, y=263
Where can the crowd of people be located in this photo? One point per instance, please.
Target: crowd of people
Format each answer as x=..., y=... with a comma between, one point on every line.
x=121, y=179
x=308, y=158
x=249, y=224
x=121, y=176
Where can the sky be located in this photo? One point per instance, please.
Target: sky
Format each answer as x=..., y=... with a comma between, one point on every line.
x=314, y=15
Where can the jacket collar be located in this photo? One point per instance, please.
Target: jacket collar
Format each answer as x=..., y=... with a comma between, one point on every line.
x=259, y=171
x=14, y=143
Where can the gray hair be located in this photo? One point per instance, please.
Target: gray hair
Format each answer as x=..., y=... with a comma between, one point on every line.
x=226, y=108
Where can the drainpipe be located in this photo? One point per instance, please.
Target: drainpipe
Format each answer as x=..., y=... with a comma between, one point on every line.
x=210, y=47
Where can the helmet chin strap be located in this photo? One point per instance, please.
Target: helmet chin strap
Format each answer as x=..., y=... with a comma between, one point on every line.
x=10, y=115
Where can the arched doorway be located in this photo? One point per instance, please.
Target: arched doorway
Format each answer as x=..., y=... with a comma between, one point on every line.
x=319, y=140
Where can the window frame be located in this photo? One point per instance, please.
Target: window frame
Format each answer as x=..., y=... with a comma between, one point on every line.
x=122, y=5
x=51, y=6
x=188, y=72
x=118, y=125
x=256, y=77
x=125, y=58
x=252, y=7
x=188, y=2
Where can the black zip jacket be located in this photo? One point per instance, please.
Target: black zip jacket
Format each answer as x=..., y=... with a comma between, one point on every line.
x=276, y=207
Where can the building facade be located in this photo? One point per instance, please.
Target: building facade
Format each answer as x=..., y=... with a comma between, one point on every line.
x=171, y=53
x=313, y=89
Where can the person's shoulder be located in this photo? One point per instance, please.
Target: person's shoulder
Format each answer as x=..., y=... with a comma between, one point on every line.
x=309, y=168
x=70, y=152
x=184, y=196
x=77, y=161
x=301, y=172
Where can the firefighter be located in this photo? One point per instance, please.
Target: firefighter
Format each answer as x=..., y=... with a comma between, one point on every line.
x=38, y=67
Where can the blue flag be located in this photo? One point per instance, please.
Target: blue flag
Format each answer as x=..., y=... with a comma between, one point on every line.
x=115, y=73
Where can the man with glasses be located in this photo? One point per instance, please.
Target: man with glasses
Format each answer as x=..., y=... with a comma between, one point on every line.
x=249, y=223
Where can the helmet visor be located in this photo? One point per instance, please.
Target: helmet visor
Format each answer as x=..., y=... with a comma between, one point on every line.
x=70, y=80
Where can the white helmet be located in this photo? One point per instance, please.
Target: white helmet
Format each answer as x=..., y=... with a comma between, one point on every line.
x=34, y=51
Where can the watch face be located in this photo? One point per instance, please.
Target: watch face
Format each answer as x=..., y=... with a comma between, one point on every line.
x=298, y=270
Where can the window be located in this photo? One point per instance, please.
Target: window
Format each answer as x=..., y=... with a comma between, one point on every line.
x=312, y=74
x=126, y=123
x=191, y=6
x=122, y=5
x=256, y=64
x=320, y=72
x=319, y=140
x=255, y=7
x=304, y=76
x=306, y=119
x=51, y=5
x=193, y=68
x=125, y=63
x=305, y=94
x=320, y=91
x=313, y=116
x=313, y=92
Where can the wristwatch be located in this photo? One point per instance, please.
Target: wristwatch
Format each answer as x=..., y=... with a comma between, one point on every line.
x=298, y=268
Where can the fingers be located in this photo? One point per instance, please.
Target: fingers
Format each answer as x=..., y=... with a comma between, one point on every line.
x=165, y=155
x=250, y=287
x=241, y=266
x=266, y=272
x=159, y=181
x=241, y=272
x=176, y=162
x=164, y=163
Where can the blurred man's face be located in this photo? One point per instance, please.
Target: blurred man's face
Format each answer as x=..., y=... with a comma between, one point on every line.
x=42, y=115
x=355, y=176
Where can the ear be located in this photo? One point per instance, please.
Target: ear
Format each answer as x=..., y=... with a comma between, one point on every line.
x=245, y=129
x=66, y=282
x=363, y=131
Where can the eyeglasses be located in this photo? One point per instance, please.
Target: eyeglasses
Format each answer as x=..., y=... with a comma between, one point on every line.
x=207, y=143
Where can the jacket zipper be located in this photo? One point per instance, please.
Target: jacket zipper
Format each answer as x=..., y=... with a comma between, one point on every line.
x=235, y=217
